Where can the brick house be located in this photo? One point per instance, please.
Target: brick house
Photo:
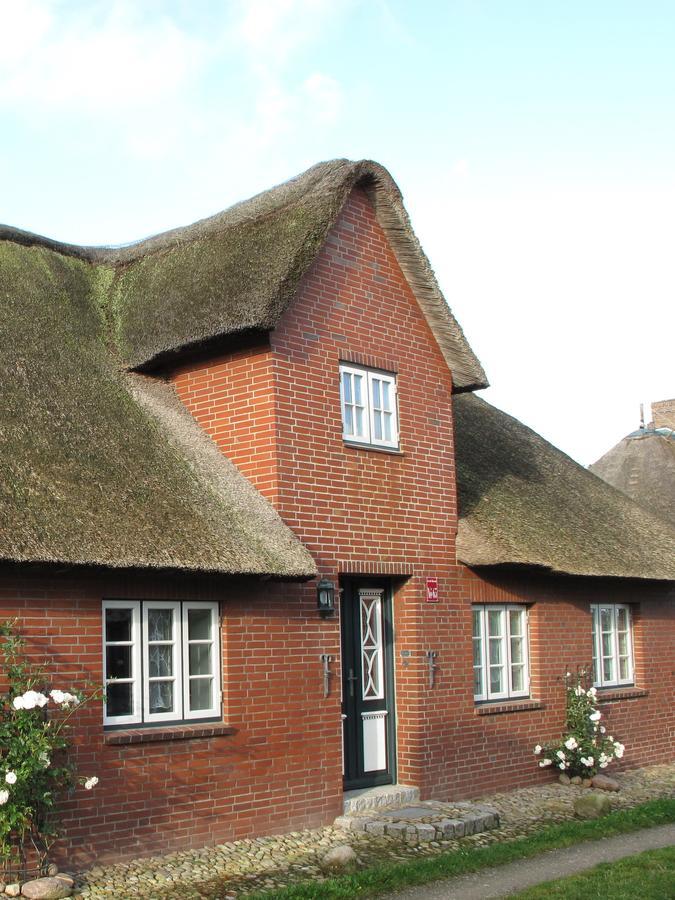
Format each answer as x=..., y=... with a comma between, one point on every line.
x=201, y=429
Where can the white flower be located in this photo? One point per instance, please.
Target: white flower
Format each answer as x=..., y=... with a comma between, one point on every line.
x=537, y=750
x=561, y=765
x=571, y=743
x=610, y=738
x=579, y=691
x=18, y=703
x=31, y=699
x=586, y=761
x=603, y=765
x=57, y=696
x=603, y=730
x=595, y=716
x=91, y=782
x=545, y=762
x=10, y=778
x=44, y=759
x=618, y=749
x=4, y=797
x=560, y=754
x=592, y=692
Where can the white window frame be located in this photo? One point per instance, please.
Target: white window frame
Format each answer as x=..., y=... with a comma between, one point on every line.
x=140, y=714
x=368, y=435
x=177, y=712
x=215, y=660
x=483, y=610
x=598, y=658
x=136, y=678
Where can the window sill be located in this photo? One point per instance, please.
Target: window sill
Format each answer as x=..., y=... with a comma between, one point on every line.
x=168, y=733
x=355, y=445
x=607, y=695
x=511, y=706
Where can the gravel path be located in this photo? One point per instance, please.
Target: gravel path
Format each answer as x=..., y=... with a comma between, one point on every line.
x=501, y=881
x=232, y=870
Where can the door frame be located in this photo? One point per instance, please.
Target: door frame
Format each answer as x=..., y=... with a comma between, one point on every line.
x=354, y=778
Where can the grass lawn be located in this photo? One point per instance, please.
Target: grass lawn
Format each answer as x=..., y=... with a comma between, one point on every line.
x=649, y=876
x=373, y=882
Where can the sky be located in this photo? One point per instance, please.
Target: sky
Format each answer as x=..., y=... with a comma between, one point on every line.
x=533, y=141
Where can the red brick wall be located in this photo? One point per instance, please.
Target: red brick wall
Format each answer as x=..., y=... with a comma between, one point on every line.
x=663, y=414
x=475, y=753
x=281, y=768
x=361, y=510
x=232, y=398
x=358, y=510
x=273, y=774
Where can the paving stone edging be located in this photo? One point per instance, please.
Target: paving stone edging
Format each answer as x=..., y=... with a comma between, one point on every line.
x=238, y=868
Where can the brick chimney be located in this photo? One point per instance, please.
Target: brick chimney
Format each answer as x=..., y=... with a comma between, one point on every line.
x=663, y=414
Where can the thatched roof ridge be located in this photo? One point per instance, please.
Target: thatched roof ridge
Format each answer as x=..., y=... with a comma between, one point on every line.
x=237, y=271
x=95, y=467
x=524, y=502
x=642, y=465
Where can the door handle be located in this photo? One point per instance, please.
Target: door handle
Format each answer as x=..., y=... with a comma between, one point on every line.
x=351, y=678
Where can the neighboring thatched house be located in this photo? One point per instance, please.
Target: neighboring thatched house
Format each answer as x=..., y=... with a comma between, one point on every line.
x=642, y=465
x=211, y=438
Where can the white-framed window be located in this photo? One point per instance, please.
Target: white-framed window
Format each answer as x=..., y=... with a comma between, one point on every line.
x=612, y=644
x=161, y=661
x=369, y=408
x=500, y=652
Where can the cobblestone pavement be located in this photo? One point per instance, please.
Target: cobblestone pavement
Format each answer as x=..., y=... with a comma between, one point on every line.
x=235, y=869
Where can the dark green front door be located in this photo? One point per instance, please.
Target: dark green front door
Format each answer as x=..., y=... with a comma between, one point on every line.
x=367, y=683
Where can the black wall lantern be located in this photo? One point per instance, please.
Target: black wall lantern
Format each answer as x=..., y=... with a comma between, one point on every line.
x=325, y=597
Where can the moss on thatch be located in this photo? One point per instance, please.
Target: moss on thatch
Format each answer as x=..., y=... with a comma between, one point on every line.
x=522, y=501
x=235, y=280
x=87, y=472
x=101, y=467
x=239, y=270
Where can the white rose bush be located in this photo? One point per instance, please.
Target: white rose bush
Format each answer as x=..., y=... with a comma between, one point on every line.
x=35, y=772
x=586, y=748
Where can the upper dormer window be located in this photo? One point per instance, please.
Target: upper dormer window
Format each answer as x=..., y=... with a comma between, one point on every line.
x=368, y=398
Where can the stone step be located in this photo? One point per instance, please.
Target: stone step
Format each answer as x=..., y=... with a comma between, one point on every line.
x=426, y=821
x=379, y=798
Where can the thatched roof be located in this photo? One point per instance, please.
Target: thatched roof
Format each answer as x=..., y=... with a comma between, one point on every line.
x=238, y=271
x=642, y=465
x=97, y=468
x=523, y=502
x=102, y=467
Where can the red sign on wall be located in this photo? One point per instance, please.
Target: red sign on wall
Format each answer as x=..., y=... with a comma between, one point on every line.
x=432, y=590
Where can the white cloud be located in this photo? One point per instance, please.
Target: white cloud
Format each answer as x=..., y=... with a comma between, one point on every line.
x=99, y=57
x=156, y=83
x=23, y=27
x=271, y=30
x=268, y=36
x=323, y=94
x=460, y=168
